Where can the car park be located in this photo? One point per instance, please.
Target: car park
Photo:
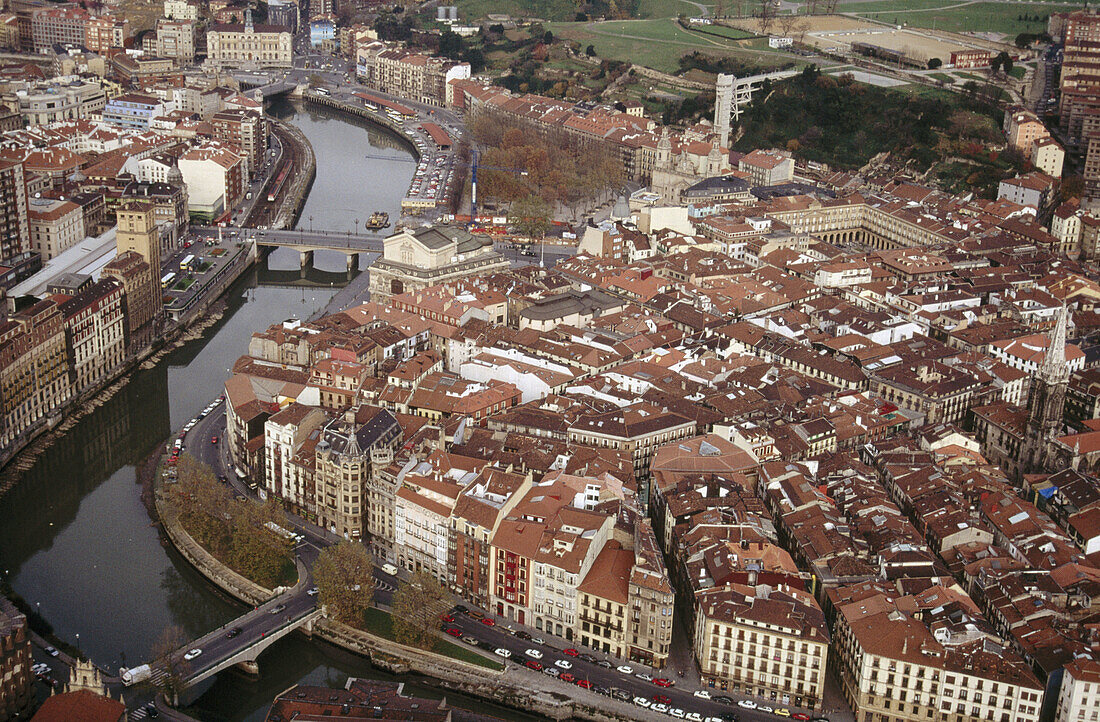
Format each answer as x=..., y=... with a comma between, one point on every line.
x=192, y=654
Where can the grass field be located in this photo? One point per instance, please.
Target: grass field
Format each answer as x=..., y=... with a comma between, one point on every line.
x=942, y=76
x=726, y=32
x=381, y=623
x=545, y=9
x=657, y=44
x=989, y=17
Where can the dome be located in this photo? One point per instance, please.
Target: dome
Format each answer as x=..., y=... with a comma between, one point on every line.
x=621, y=209
x=174, y=175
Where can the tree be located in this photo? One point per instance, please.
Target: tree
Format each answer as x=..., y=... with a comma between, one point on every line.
x=934, y=63
x=548, y=37
x=590, y=51
x=172, y=639
x=531, y=217
x=767, y=16
x=254, y=550
x=417, y=605
x=345, y=581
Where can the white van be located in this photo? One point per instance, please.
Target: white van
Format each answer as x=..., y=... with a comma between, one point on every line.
x=390, y=569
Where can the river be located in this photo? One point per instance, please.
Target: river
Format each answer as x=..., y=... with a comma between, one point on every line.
x=75, y=539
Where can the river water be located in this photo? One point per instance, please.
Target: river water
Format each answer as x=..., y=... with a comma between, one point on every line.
x=75, y=539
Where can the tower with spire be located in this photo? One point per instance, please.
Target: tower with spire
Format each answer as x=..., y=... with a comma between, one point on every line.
x=1046, y=399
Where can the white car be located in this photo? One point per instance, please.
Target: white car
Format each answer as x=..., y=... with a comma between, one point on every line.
x=644, y=677
x=694, y=717
x=765, y=708
x=538, y=640
x=625, y=669
x=501, y=652
x=659, y=707
x=642, y=702
x=533, y=654
x=746, y=703
x=314, y=591
x=564, y=664
x=677, y=713
x=192, y=654
x=701, y=694
x=552, y=671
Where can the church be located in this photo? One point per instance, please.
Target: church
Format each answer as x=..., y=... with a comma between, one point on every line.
x=413, y=259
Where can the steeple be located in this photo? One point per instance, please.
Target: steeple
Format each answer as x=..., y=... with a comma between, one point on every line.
x=664, y=149
x=1054, y=368
x=248, y=20
x=353, y=439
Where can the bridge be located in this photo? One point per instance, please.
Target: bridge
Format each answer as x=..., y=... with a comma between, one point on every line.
x=260, y=87
x=350, y=244
x=743, y=88
x=240, y=642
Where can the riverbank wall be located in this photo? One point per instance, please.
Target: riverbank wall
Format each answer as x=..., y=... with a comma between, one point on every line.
x=375, y=118
x=302, y=181
x=513, y=686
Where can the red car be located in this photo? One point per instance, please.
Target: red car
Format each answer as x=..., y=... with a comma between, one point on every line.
x=567, y=677
x=454, y=632
x=662, y=682
x=488, y=622
x=448, y=618
x=214, y=440
x=801, y=716
x=584, y=683
x=570, y=652
x=532, y=664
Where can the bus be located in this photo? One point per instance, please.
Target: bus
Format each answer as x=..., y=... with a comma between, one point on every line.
x=167, y=280
x=276, y=529
x=186, y=262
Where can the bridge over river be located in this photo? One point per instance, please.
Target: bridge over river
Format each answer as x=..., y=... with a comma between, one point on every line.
x=305, y=241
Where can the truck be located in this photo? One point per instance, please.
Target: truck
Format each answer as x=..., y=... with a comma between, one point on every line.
x=248, y=196
x=275, y=528
x=135, y=674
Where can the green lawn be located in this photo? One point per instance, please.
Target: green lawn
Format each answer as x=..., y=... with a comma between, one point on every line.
x=1018, y=71
x=546, y=9
x=942, y=76
x=726, y=32
x=666, y=8
x=657, y=44
x=380, y=623
x=993, y=17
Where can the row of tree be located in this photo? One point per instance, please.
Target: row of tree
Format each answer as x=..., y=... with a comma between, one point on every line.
x=232, y=529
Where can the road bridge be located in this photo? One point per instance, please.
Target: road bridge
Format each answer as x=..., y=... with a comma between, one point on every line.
x=350, y=244
x=260, y=87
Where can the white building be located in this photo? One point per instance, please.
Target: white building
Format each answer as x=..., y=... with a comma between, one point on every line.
x=1079, y=698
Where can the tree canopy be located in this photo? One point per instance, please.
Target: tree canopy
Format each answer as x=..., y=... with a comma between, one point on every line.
x=417, y=605
x=344, y=575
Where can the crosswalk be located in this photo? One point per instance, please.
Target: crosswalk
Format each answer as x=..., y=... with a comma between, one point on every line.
x=384, y=586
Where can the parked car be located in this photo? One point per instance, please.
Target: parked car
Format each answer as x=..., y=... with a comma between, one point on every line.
x=677, y=713
x=746, y=704
x=552, y=671
x=567, y=677
x=501, y=652
x=470, y=640
x=642, y=702
x=694, y=717
x=663, y=682
x=489, y=622
x=662, y=698
x=604, y=663
x=782, y=712
x=447, y=618
x=584, y=683
x=645, y=677
x=625, y=669
x=532, y=664
x=563, y=664
x=570, y=652
x=533, y=653
x=454, y=632
x=701, y=694
x=660, y=707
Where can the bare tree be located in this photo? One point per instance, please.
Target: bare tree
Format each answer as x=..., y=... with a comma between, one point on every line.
x=417, y=605
x=787, y=24
x=167, y=655
x=345, y=581
x=767, y=16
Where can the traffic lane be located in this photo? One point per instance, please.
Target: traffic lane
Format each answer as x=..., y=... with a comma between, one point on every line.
x=217, y=646
x=496, y=636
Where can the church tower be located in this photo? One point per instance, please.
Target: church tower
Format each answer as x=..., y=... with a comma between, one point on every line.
x=664, y=150
x=1046, y=400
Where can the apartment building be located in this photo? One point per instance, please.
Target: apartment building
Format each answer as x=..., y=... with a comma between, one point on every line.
x=1022, y=128
x=290, y=438
x=894, y=668
x=343, y=466
x=140, y=291
x=34, y=378
x=761, y=641
x=106, y=34
x=248, y=130
x=17, y=694
x=55, y=226
x=133, y=110
x=215, y=176
x=58, y=26
x=14, y=227
x=767, y=167
x=181, y=10
x=176, y=40
x=95, y=331
x=1079, y=696
x=391, y=68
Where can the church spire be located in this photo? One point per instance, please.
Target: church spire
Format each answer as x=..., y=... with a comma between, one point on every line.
x=1054, y=368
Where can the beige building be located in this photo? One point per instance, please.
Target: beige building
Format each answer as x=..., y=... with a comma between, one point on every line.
x=244, y=45
x=34, y=369
x=343, y=467
x=893, y=667
x=392, y=69
x=55, y=226
x=181, y=10
x=176, y=40
x=291, y=432
x=1048, y=156
x=1079, y=698
x=413, y=259
x=763, y=642
x=63, y=99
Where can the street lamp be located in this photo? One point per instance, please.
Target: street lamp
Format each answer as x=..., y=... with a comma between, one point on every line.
x=311, y=224
x=357, y=226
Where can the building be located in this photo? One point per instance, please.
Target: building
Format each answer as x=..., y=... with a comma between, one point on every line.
x=68, y=98
x=176, y=40
x=1079, y=696
x=17, y=697
x=169, y=201
x=360, y=699
x=391, y=68
x=142, y=71
x=95, y=331
x=141, y=293
x=343, y=466
x=106, y=34
x=767, y=167
x=413, y=259
x=133, y=110
x=181, y=10
x=55, y=226
x=14, y=226
x=285, y=13
x=244, y=45
x=83, y=705
x=59, y=26
x=764, y=642
x=215, y=176
x=34, y=377
x=1031, y=189
x=246, y=129
x=1022, y=128
x=1046, y=401
x=290, y=439
x=1048, y=157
